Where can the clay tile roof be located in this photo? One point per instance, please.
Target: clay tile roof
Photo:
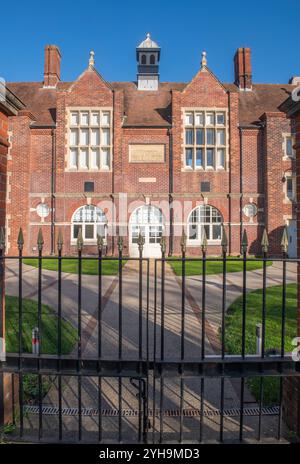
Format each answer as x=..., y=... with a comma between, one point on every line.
x=153, y=108
x=39, y=101
x=144, y=108
x=262, y=99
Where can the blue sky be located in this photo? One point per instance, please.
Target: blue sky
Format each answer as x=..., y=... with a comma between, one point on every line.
x=182, y=28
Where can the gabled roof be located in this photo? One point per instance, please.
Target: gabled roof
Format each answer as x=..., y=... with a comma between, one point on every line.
x=153, y=108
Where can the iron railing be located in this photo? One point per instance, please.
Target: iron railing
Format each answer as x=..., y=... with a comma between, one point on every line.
x=157, y=368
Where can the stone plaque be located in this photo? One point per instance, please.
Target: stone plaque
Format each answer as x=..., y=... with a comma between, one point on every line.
x=147, y=153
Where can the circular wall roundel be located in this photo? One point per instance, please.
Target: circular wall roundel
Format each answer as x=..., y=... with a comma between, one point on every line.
x=42, y=210
x=250, y=210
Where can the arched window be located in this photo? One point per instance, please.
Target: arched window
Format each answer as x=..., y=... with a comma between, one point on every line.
x=144, y=59
x=152, y=59
x=92, y=222
x=208, y=218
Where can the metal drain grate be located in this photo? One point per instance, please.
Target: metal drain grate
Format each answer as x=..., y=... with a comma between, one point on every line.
x=53, y=411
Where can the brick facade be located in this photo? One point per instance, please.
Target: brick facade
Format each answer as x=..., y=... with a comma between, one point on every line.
x=255, y=165
x=291, y=390
x=9, y=106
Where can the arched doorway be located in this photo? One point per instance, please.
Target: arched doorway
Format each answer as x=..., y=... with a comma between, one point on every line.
x=148, y=221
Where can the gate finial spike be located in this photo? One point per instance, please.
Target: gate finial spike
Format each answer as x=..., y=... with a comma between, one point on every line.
x=285, y=240
x=244, y=242
x=265, y=242
x=60, y=240
x=140, y=241
x=79, y=240
x=120, y=244
x=224, y=241
x=100, y=242
x=204, y=240
x=183, y=241
x=163, y=244
x=2, y=239
x=40, y=240
x=20, y=240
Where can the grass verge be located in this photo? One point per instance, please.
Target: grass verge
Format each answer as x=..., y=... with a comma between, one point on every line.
x=89, y=266
x=49, y=328
x=233, y=331
x=214, y=267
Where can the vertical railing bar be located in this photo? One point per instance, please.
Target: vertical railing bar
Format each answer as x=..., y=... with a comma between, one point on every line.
x=181, y=405
x=146, y=419
x=283, y=314
x=40, y=252
x=161, y=421
x=244, y=307
x=147, y=311
x=21, y=335
x=140, y=328
x=59, y=342
x=261, y=393
x=203, y=302
x=182, y=303
x=222, y=411
x=40, y=387
x=162, y=333
x=223, y=303
x=120, y=262
x=79, y=347
x=202, y=385
x=242, y=408
x=13, y=399
x=280, y=408
x=154, y=353
x=263, y=337
x=99, y=341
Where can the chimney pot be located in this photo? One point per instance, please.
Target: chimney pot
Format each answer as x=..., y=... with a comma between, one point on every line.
x=243, y=68
x=51, y=66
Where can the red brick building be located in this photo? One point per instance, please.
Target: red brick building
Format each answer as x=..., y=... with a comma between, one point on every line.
x=151, y=157
x=9, y=107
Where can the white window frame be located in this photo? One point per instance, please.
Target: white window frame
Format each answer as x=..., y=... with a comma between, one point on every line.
x=291, y=177
x=90, y=147
x=217, y=166
x=284, y=146
x=198, y=240
x=95, y=223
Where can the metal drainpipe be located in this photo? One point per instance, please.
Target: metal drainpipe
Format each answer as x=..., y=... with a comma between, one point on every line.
x=241, y=183
x=171, y=239
x=53, y=172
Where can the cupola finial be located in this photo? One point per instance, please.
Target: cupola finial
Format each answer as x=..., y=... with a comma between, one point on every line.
x=92, y=59
x=204, y=60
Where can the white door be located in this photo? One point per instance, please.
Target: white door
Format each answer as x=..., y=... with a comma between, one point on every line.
x=292, y=235
x=148, y=221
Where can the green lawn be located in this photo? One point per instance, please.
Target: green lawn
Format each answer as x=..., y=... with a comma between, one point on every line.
x=49, y=340
x=214, y=267
x=89, y=266
x=30, y=320
x=233, y=330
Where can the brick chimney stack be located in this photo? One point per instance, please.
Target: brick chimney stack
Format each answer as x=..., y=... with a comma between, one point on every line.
x=52, y=66
x=243, y=68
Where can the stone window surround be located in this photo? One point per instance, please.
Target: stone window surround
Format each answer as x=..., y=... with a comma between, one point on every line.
x=185, y=110
x=285, y=135
x=89, y=109
x=289, y=174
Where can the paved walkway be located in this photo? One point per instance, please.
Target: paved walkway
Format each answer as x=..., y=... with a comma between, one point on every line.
x=172, y=393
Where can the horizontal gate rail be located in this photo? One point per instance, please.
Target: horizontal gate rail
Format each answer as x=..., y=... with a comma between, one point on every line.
x=211, y=366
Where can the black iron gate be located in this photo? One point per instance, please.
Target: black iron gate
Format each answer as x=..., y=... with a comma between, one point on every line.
x=149, y=362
